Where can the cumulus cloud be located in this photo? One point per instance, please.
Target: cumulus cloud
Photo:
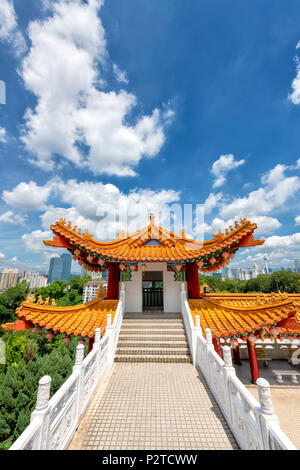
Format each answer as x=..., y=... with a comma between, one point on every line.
x=74, y=119
x=28, y=195
x=265, y=224
x=9, y=27
x=121, y=75
x=222, y=166
x=211, y=202
x=2, y=255
x=297, y=220
x=276, y=190
x=2, y=135
x=11, y=218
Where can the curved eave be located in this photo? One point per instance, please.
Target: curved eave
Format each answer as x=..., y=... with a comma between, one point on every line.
x=174, y=247
x=226, y=320
x=81, y=320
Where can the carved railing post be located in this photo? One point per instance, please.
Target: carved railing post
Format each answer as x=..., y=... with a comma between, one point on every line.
x=196, y=330
x=77, y=368
x=42, y=412
x=228, y=371
x=267, y=414
x=97, y=345
x=110, y=331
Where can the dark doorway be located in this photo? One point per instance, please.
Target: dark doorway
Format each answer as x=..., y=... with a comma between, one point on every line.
x=153, y=292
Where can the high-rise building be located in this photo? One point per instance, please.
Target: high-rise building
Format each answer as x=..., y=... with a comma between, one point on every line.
x=9, y=278
x=297, y=265
x=34, y=279
x=60, y=268
x=66, y=267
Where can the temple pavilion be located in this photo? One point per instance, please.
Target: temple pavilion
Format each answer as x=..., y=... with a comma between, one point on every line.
x=152, y=265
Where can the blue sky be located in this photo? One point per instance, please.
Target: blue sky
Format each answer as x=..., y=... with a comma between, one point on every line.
x=149, y=104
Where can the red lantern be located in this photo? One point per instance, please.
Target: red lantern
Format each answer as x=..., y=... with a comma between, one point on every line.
x=212, y=260
x=122, y=267
x=37, y=330
x=81, y=341
x=200, y=264
x=178, y=267
x=275, y=330
x=144, y=267
x=132, y=267
x=252, y=339
x=234, y=342
x=101, y=262
x=90, y=259
x=66, y=340
x=225, y=254
x=77, y=252
x=49, y=335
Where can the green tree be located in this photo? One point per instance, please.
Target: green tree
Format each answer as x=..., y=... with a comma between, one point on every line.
x=261, y=283
x=285, y=281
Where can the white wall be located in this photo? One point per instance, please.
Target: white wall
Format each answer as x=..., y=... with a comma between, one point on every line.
x=134, y=294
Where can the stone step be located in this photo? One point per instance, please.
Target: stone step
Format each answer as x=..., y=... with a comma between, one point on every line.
x=150, y=337
x=152, y=352
x=142, y=358
x=155, y=344
x=152, y=326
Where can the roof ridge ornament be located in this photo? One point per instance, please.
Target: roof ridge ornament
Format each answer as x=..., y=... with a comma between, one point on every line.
x=152, y=218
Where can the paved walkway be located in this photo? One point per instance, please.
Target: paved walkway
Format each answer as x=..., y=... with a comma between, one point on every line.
x=153, y=406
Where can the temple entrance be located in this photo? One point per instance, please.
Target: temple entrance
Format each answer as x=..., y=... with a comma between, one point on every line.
x=153, y=292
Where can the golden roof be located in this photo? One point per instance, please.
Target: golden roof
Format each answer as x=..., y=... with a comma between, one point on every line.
x=80, y=320
x=229, y=315
x=168, y=246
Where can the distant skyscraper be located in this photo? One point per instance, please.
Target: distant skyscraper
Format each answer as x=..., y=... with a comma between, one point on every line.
x=9, y=278
x=297, y=265
x=60, y=268
x=66, y=267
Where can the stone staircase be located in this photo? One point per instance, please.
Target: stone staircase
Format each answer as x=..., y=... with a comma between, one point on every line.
x=152, y=337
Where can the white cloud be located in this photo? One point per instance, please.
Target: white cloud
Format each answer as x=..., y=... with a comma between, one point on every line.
x=297, y=220
x=121, y=75
x=9, y=28
x=2, y=135
x=295, y=95
x=62, y=70
x=34, y=242
x=222, y=166
x=211, y=202
x=265, y=225
x=2, y=256
x=276, y=190
x=11, y=218
x=28, y=195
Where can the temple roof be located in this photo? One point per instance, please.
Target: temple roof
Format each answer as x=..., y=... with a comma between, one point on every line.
x=229, y=315
x=80, y=320
x=154, y=243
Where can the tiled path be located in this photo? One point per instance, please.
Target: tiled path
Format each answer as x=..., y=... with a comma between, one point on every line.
x=153, y=406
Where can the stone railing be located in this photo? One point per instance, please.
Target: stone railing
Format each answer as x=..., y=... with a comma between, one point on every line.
x=253, y=424
x=54, y=422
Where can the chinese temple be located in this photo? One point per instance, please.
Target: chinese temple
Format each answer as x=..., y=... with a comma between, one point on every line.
x=152, y=264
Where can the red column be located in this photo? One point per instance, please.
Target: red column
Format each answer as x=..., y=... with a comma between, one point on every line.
x=253, y=361
x=236, y=355
x=91, y=344
x=192, y=278
x=113, y=281
x=217, y=346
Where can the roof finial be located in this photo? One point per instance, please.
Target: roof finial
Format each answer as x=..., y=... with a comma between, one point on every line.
x=152, y=218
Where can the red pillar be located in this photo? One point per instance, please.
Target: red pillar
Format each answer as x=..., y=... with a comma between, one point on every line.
x=217, y=346
x=236, y=355
x=91, y=344
x=253, y=361
x=113, y=281
x=192, y=278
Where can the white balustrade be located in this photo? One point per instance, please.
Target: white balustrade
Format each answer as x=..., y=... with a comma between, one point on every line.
x=253, y=424
x=54, y=422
